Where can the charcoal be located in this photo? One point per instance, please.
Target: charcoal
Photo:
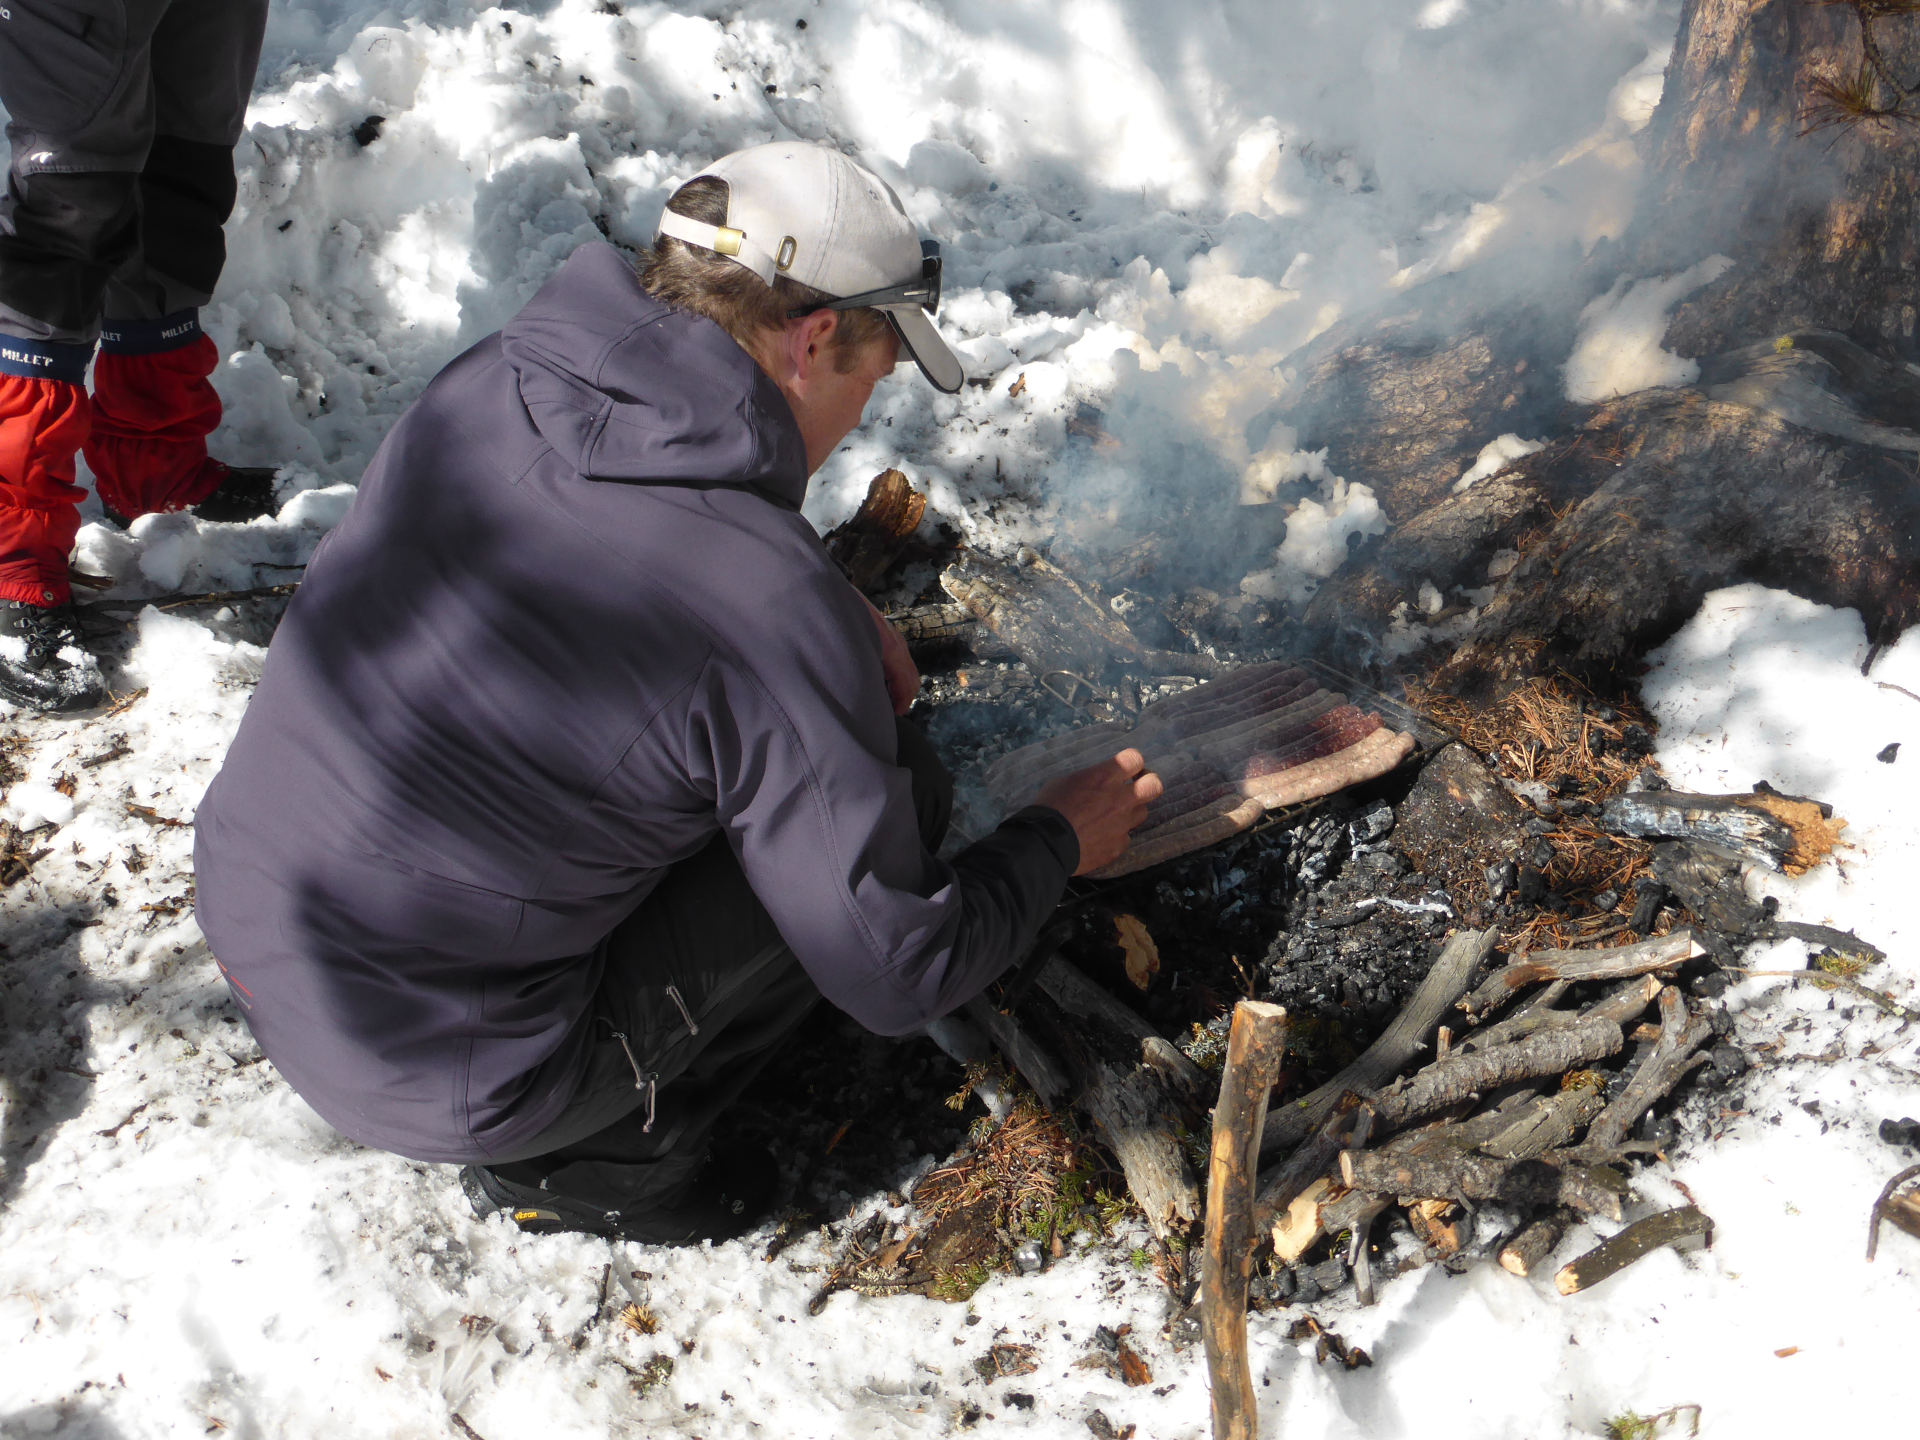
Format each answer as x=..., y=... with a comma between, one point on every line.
x=1330, y=1274
x=1728, y=1061
x=1900, y=1132
x=1648, y=901
x=1888, y=755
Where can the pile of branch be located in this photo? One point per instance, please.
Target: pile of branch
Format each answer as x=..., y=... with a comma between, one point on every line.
x=1518, y=1111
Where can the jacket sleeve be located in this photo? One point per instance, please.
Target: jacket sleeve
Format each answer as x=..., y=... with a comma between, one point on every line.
x=801, y=745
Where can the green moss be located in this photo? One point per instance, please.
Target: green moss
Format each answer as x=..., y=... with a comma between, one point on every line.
x=959, y=1283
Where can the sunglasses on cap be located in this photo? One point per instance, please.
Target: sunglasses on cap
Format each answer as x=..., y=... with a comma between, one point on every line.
x=924, y=291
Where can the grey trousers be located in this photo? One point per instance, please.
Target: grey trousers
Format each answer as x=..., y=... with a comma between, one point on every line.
x=124, y=115
x=624, y=1142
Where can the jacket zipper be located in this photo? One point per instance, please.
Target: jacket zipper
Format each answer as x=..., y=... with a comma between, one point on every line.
x=673, y=994
x=645, y=1080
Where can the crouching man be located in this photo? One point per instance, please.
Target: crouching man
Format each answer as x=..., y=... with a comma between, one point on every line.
x=574, y=777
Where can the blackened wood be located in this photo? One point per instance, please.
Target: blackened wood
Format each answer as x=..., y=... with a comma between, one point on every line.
x=1254, y=1046
x=1536, y=1241
x=1616, y=963
x=1681, y=1033
x=1464, y=1174
x=1395, y=1047
x=1733, y=822
x=941, y=627
x=1708, y=882
x=1669, y=1227
x=1552, y=1052
x=873, y=537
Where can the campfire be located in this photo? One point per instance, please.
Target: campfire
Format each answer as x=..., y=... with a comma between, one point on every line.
x=1469, y=954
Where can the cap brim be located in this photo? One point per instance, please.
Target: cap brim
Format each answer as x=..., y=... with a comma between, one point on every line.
x=929, y=350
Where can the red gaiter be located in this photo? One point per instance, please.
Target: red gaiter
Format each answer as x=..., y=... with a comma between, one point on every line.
x=42, y=424
x=153, y=409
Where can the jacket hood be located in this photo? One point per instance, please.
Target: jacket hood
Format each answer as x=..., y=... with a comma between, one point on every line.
x=627, y=389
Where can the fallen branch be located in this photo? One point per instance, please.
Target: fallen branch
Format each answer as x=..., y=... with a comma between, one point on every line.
x=1615, y=964
x=1681, y=1033
x=1395, y=1047
x=1880, y=1207
x=1620, y=1006
x=1546, y=1124
x=1590, y=1189
x=1458, y=1077
x=1669, y=1227
x=1254, y=1046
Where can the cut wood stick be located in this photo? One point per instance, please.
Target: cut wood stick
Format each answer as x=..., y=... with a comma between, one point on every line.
x=1542, y=1180
x=1396, y=1046
x=1552, y=1052
x=1613, y=964
x=1254, y=1046
x=1643, y=1237
x=1523, y=1254
x=1681, y=1033
x=1309, y=1161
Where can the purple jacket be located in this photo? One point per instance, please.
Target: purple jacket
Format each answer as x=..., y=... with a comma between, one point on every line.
x=573, y=626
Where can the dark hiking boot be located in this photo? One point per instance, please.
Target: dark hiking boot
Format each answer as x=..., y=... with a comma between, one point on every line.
x=245, y=493
x=43, y=665
x=726, y=1199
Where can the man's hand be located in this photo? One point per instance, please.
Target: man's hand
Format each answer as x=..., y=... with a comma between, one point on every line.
x=896, y=663
x=1105, y=804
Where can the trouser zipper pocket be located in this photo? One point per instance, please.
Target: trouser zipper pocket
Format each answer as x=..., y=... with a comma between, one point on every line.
x=646, y=1080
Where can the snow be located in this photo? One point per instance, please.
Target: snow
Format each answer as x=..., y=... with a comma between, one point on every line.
x=1146, y=210
x=1618, y=350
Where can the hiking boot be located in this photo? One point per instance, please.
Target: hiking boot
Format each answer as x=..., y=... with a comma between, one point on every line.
x=43, y=665
x=726, y=1199
x=245, y=493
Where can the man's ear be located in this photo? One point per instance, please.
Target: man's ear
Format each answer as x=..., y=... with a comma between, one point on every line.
x=808, y=341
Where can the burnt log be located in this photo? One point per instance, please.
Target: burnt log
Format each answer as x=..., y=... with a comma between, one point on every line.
x=868, y=542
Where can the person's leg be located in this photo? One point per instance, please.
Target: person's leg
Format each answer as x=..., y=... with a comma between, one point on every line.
x=72, y=76
x=701, y=989
x=154, y=405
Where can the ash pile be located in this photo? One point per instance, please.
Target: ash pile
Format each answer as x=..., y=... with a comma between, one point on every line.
x=1499, y=947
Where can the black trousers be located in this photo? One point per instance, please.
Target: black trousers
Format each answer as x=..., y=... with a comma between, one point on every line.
x=123, y=116
x=698, y=993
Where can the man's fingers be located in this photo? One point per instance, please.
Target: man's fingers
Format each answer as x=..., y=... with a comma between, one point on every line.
x=1148, y=787
x=1131, y=762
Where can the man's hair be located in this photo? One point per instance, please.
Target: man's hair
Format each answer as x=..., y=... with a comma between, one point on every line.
x=732, y=296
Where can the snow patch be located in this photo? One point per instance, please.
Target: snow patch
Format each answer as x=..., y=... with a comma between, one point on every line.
x=1618, y=348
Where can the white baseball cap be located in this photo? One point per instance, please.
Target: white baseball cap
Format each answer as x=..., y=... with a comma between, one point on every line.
x=814, y=216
